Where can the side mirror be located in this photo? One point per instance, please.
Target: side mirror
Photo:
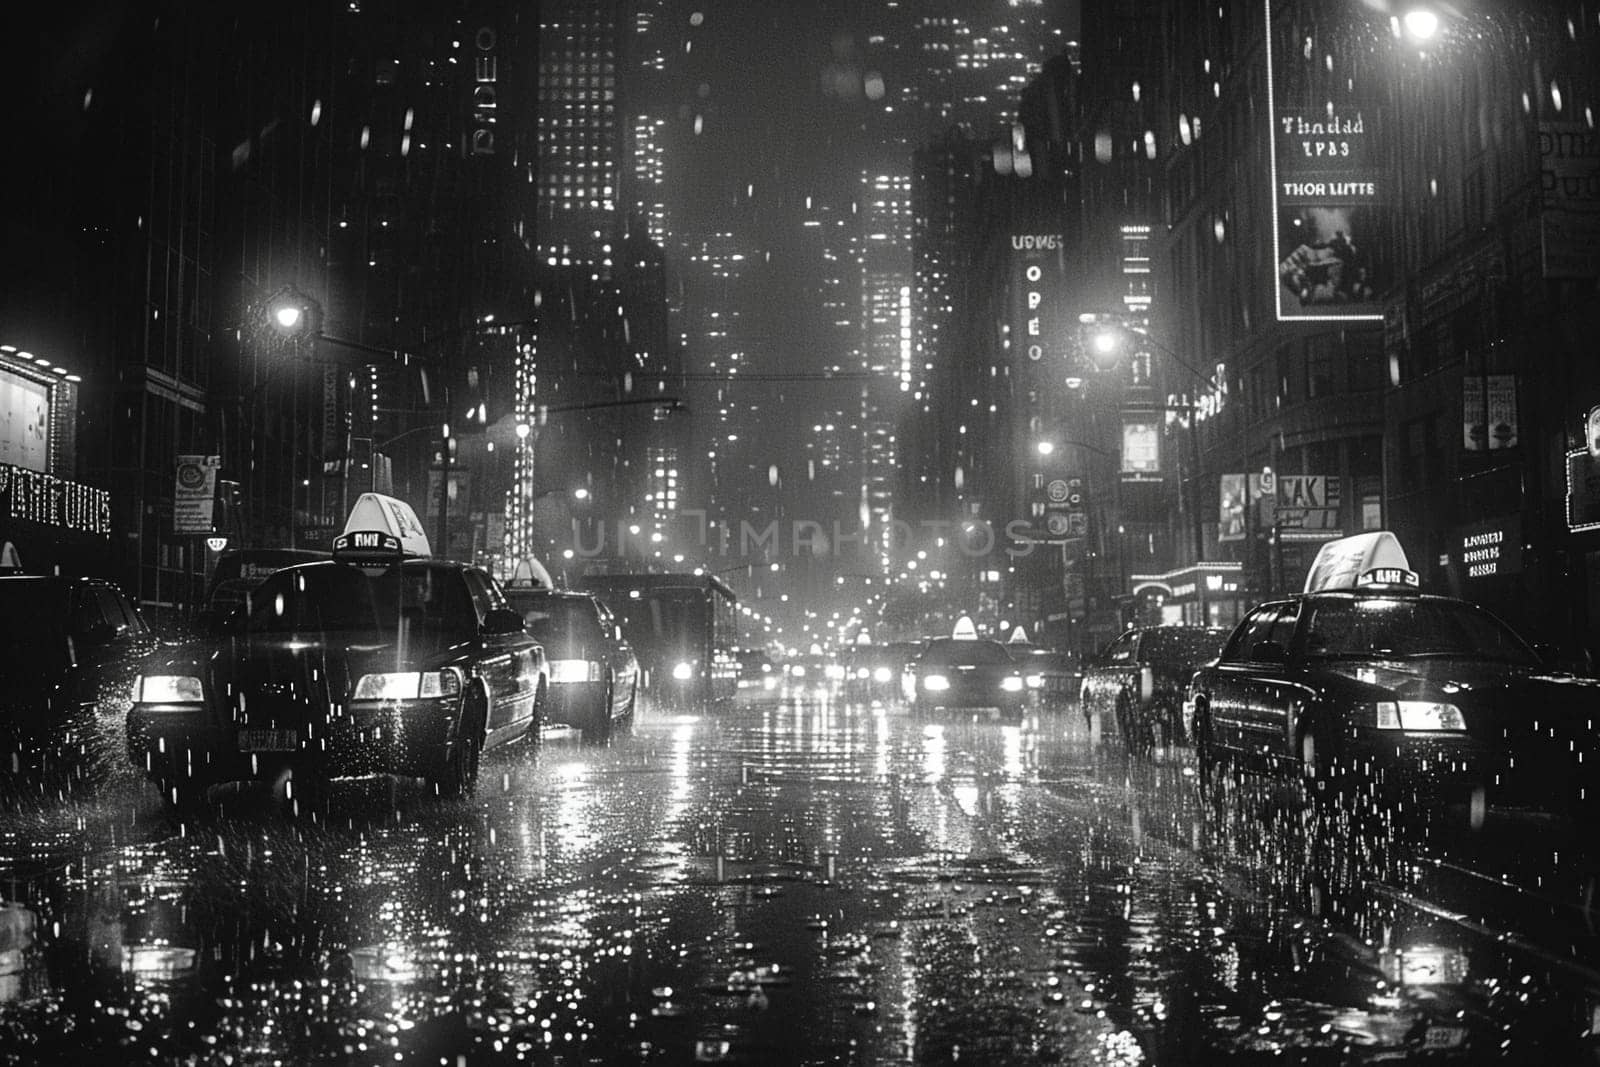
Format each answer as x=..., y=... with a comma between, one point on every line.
x=501, y=622
x=1270, y=652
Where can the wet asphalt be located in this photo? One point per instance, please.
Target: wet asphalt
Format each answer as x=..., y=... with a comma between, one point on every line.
x=794, y=880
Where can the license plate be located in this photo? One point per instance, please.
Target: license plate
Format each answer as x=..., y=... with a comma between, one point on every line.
x=1445, y=1037
x=269, y=740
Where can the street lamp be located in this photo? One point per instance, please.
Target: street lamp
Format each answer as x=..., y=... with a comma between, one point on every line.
x=1420, y=24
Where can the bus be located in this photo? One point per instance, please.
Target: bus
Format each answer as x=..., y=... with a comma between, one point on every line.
x=683, y=627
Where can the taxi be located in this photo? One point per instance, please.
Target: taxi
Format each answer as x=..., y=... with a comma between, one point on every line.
x=382, y=660
x=1362, y=684
x=965, y=671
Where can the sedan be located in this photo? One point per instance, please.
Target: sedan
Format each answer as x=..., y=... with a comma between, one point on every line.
x=594, y=675
x=975, y=673
x=1377, y=688
x=69, y=651
x=1135, y=687
x=339, y=669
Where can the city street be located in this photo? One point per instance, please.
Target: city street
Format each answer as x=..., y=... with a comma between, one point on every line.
x=785, y=882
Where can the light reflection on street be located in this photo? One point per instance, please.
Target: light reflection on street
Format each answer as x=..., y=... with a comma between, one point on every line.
x=902, y=887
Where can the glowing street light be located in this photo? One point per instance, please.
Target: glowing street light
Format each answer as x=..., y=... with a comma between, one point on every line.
x=1420, y=23
x=1045, y=447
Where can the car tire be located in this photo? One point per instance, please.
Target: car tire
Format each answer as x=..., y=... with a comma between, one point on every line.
x=458, y=775
x=627, y=721
x=183, y=796
x=598, y=732
x=1318, y=777
x=1207, y=763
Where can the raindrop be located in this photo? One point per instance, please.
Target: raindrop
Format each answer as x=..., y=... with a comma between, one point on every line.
x=1555, y=95
x=88, y=98
x=1184, y=133
x=699, y=124
x=697, y=18
x=1102, y=147
x=875, y=88
x=366, y=135
x=1136, y=92
x=1219, y=229
x=316, y=112
x=772, y=475
x=961, y=477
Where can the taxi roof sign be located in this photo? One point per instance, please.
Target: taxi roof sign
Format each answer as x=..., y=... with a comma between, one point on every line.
x=1365, y=559
x=372, y=551
x=391, y=516
x=1390, y=576
x=1019, y=636
x=965, y=629
x=530, y=573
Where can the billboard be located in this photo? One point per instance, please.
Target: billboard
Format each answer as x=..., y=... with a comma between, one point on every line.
x=1308, y=507
x=1331, y=256
x=24, y=421
x=1141, y=448
x=1569, y=158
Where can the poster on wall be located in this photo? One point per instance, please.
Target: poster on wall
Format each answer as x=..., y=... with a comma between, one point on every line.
x=1141, y=450
x=1329, y=194
x=1231, y=520
x=1489, y=412
x=24, y=422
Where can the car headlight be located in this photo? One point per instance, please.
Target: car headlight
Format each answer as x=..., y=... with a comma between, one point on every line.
x=574, y=670
x=408, y=685
x=861, y=673
x=683, y=671
x=797, y=670
x=1011, y=683
x=1417, y=715
x=834, y=671
x=168, y=689
x=1035, y=681
x=935, y=683
x=882, y=674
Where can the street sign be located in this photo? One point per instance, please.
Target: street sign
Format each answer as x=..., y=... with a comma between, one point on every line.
x=195, y=494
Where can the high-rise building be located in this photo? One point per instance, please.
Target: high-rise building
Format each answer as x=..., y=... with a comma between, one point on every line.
x=954, y=63
x=580, y=133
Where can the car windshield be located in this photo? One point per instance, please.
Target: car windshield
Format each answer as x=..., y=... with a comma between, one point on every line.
x=429, y=602
x=1402, y=628
x=966, y=653
x=559, y=622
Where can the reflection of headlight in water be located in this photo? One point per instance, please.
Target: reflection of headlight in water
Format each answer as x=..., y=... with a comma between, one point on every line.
x=158, y=961
x=683, y=671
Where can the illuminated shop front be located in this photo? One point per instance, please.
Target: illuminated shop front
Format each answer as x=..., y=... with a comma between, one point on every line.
x=1206, y=594
x=51, y=520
